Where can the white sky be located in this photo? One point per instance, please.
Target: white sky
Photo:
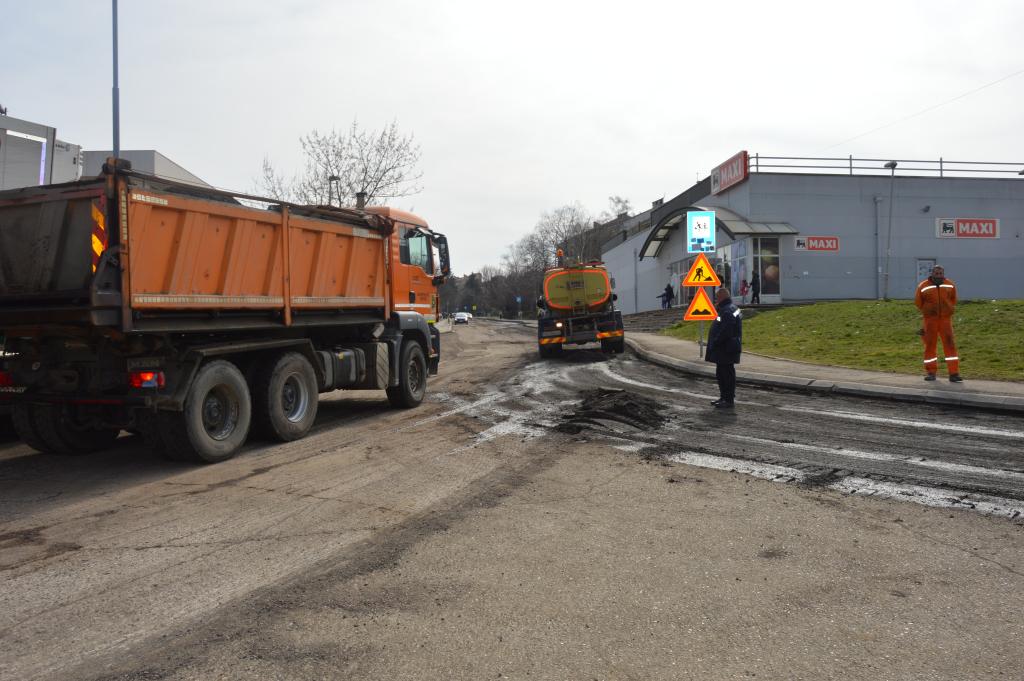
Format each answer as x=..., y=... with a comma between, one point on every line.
x=523, y=106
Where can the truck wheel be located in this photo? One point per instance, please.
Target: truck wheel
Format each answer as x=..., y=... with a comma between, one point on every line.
x=286, y=398
x=54, y=428
x=6, y=427
x=24, y=426
x=550, y=350
x=216, y=417
x=412, y=377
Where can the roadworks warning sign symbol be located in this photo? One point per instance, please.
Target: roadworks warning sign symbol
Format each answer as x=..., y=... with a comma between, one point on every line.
x=701, y=273
x=701, y=308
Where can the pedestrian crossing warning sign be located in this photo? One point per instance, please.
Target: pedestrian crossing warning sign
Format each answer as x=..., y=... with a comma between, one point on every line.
x=701, y=273
x=701, y=308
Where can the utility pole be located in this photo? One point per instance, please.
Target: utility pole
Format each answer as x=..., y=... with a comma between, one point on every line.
x=116, y=94
x=891, y=165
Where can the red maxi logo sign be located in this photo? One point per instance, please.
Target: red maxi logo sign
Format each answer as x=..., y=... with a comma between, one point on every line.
x=977, y=228
x=967, y=228
x=817, y=243
x=732, y=172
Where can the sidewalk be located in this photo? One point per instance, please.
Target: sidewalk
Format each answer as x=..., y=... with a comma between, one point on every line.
x=759, y=370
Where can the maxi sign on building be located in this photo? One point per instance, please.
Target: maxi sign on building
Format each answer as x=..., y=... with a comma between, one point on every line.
x=967, y=228
x=817, y=243
x=730, y=173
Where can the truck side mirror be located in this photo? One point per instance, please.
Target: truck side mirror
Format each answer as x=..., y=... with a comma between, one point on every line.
x=615, y=296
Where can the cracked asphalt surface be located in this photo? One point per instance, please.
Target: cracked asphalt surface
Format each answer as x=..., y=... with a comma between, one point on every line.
x=580, y=518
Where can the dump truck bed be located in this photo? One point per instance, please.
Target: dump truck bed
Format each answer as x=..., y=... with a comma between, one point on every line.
x=139, y=253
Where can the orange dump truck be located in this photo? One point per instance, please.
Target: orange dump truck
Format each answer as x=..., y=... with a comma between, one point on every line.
x=190, y=316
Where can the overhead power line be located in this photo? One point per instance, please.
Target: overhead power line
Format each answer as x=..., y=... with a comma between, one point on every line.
x=930, y=108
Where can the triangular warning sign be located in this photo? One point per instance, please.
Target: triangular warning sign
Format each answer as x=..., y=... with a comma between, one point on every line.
x=701, y=273
x=701, y=308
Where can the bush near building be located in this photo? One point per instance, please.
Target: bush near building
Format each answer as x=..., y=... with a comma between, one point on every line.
x=883, y=336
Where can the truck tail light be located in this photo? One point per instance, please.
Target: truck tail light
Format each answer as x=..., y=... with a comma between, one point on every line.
x=147, y=379
x=6, y=379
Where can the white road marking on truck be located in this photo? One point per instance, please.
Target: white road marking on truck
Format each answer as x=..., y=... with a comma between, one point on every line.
x=766, y=471
x=927, y=425
x=879, y=456
x=931, y=496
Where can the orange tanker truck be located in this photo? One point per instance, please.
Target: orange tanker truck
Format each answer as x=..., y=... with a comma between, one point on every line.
x=577, y=306
x=130, y=302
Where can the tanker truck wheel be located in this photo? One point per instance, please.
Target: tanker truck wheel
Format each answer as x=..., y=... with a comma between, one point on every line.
x=286, y=398
x=216, y=418
x=412, y=377
x=550, y=350
x=613, y=346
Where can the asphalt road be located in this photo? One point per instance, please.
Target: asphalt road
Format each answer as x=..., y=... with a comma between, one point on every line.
x=586, y=517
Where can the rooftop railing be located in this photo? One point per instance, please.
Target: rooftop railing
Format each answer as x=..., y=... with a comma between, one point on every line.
x=877, y=166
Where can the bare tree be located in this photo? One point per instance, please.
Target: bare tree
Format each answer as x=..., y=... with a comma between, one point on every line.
x=617, y=206
x=383, y=165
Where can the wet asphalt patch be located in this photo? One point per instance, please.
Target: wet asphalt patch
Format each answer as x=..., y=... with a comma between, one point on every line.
x=615, y=410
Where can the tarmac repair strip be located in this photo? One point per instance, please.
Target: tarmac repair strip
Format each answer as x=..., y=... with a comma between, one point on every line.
x=929, y=425
x=919, y=494
x=879, y=456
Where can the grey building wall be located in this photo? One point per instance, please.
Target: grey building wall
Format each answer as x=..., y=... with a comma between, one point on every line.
x=145, y=161
x=856, y=209
x=853, y=207
x=26, y=153
x=635, y=279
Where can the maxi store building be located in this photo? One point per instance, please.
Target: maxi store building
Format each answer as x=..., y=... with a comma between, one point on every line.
x=824, y=235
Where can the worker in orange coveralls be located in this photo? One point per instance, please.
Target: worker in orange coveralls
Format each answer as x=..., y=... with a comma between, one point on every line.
x=936, y=299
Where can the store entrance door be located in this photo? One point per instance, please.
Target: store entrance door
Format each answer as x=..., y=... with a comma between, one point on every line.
x=768, y=266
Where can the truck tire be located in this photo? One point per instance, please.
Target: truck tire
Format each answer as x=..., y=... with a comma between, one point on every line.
x=550, y=350
x=613, y=346
x=51, y=429
x=6, y=427
x=412, y=377
x=215, y=421
x=24, y=426
x=286, y=398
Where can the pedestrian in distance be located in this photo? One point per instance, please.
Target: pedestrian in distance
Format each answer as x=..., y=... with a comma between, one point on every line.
x=755, y=289
x=725, y=343
x=667, y=296
x=744, y=290
x=936, y=299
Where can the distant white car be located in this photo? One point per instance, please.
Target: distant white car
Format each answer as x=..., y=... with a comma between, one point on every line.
x=462, y=317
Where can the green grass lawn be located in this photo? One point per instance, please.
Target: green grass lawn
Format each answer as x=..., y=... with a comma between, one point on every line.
x=883, y=336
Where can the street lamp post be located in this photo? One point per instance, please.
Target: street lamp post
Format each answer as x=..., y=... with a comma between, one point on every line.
x=331, y=179
x=115, y=94
x=891, y=165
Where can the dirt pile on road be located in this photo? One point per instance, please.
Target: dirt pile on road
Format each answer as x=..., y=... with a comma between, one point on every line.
x=616, y=410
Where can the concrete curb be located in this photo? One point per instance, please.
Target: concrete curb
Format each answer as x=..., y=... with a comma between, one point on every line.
x=972, y=400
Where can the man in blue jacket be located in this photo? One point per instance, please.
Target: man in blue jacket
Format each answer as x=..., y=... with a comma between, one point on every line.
x=725, y=341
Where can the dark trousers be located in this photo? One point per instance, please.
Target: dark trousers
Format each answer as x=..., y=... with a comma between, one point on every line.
x=755, y=298
x=726, y=375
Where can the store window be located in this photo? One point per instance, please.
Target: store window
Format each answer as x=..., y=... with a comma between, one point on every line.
x=766, y=264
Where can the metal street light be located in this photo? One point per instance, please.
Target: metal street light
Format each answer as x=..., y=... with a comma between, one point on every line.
x=115, y=94
x=891, y=165
x=331, y=179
